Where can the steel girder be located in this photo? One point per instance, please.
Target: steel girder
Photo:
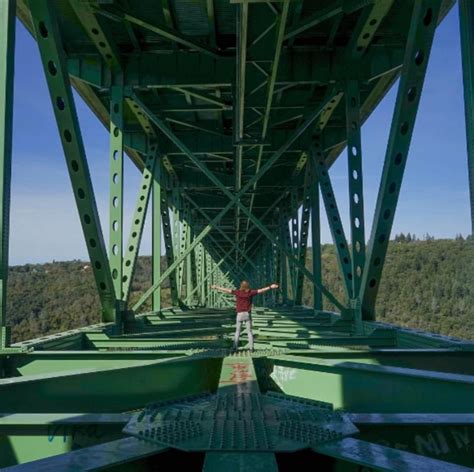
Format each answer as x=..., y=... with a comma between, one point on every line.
x=186, y=70
x=356, y=195
x=303, y=233
x=420, y=38
x=168, y=240
x=418, y=429
x=7, y=59
x=466, y=17
x=234, y=199
x=54, y=63
x=138, y=221
x=116, y=189
x=270, y=82
x=156, y=232
x=334, y=217
x=315, y=235
x=185, y=92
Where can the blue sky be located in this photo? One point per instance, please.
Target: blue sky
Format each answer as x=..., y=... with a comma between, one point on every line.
x=434, y=197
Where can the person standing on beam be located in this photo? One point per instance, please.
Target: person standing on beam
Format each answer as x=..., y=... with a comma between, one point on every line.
x=243, y=307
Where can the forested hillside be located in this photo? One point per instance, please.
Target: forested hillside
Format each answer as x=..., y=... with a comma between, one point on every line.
x=426, y=284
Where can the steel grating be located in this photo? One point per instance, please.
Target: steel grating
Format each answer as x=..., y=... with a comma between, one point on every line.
x=240, y=420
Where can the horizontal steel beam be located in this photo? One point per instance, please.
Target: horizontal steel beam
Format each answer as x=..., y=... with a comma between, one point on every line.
x=40, y=419
x=356, y=387
x=93, y=390
x=182, y=69
x=405, y=419
x=383, y=458
x=99, y=457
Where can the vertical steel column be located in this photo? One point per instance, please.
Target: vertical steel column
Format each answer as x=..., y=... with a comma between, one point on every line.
x=199, y=273
x=277, y=258
x=7, y=64
x=289, y=248
x=156, y=234
x=55, y=68
x=259, y=270
x=316, y=237
x=116, y=189
x=183, y=246
x=334, y=218
x=272, y=258
x=420, y=39
x=196, y=273
x=239, y=110
x=356, y=196
x=304, y=226
x=466, y=19
x=276, y=267
x=203, y=276
x=189, y=287
x=215, y=294
x=294, y=239
x=284, y=262
x=210, y=282
x=193, y=269
x=175, y=233
x=264, y=273
x=167, y=234
x=138, y=221
x=197, y=289
x=178, y=232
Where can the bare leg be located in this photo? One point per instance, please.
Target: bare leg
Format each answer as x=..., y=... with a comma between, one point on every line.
x=238, y=324
x=250, y=334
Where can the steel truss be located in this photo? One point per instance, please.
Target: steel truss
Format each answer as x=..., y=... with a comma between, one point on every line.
x=234, y=115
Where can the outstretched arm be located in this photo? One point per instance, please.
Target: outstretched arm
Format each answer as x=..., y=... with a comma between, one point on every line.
x=266, y=289
x=222, y=289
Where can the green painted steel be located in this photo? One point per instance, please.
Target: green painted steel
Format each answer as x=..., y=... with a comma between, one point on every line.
x=377, y=457
x=294, y=238
x=189, y=261
x=156, y=232
x=420, y=39
x=115, y=452
x=466, y=18
x=303, y=233
x=90, y=390
x=284, y=241
x=168, y=240
x=100, y=36
x=138, y=220
x=315, y=235
x=334, y=218
x=116, y=189
x=234, y=199
x=52, y=56
x=234, y=112
x=292, y=366
x=176, y=235
x=224, y=235
x=356, y=195
x=7, y=61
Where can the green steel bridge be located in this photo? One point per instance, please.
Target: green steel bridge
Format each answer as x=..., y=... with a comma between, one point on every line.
x=234, y=112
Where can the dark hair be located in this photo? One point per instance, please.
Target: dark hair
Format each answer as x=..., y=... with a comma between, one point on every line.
x=244, y=285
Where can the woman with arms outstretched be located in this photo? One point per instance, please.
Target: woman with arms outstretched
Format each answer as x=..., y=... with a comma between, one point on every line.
x=243, y=307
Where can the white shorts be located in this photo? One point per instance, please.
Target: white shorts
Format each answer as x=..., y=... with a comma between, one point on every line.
x=243, y=316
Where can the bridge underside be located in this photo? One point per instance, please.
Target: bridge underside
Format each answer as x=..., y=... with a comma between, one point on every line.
x=234, y=112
